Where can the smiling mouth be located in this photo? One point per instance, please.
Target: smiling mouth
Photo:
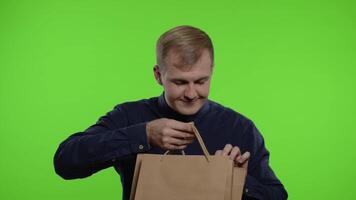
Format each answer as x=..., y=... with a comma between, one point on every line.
x=189, y=102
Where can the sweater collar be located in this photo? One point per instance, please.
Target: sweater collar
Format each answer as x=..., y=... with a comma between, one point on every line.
x=168, y=112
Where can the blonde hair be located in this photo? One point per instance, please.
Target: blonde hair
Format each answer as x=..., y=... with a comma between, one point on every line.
x=188, y=42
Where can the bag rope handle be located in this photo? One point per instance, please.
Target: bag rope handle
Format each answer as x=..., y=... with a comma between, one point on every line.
x=201, y=143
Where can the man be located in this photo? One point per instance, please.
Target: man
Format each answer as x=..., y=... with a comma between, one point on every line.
x=185, y=62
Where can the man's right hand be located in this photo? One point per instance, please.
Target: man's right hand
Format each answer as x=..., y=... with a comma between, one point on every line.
x=169, y=134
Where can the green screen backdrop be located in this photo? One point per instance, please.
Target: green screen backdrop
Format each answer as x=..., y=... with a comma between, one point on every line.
x=290, y=66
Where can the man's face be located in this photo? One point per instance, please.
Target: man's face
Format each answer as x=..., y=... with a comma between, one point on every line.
x=186, y=90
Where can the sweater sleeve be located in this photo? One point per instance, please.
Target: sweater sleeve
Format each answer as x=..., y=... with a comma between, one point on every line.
x=261, y=182
x=98, y=147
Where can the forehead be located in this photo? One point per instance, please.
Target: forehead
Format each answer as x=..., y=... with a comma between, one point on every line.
x=173, y=68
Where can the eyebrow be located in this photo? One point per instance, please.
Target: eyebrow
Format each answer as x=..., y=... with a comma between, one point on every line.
x=182, y=80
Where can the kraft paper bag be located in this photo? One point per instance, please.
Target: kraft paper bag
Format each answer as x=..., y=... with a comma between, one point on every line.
x=187, y=177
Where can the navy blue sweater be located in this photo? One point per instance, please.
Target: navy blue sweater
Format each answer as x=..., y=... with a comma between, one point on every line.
x=120, y=135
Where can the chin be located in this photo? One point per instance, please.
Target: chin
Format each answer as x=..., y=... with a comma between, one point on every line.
x=187, y=112
x=184, y=110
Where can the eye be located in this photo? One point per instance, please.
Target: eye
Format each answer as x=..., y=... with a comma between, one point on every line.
x=179, y=82
x=200, y=82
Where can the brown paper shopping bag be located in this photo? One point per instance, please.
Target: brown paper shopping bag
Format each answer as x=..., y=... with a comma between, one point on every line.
x=187, y=177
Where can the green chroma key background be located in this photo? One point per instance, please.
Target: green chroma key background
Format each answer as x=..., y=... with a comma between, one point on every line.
x=290, y=66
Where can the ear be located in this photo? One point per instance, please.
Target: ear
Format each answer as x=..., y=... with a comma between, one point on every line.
x=157, y=74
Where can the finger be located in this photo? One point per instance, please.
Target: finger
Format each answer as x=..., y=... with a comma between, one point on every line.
x=180, y=134
x=227, y=149
x=181, y=147
x=179, y=142
x=242, y=159
x=235, y=152
x=181, y=126
x=218, y=153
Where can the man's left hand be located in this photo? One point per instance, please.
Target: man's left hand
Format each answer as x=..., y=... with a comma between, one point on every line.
x=234, y=154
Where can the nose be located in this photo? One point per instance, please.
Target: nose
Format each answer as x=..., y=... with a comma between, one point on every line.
x=190, y=94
